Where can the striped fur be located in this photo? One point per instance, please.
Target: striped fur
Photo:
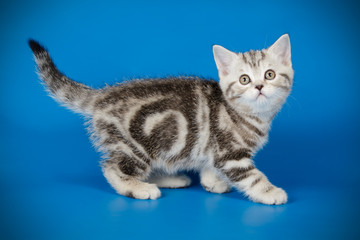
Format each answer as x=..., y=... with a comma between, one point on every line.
x=149, y=130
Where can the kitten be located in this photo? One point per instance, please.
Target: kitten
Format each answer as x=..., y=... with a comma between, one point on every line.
x=150, y=130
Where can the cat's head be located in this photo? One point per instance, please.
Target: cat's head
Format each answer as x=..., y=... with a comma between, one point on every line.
x=256, y=81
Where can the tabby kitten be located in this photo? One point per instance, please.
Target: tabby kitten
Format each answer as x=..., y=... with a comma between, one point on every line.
x=150, y=130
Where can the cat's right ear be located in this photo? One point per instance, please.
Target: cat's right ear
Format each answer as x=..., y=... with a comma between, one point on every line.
x=223, y=59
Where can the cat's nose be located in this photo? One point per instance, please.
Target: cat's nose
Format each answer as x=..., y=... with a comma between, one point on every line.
x=259, y=87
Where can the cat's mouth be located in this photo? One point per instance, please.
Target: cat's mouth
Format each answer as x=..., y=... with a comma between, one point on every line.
x=261, y=96
x=262, y=99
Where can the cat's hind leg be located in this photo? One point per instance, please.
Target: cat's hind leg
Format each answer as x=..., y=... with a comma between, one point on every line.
x=124, y=173
x=170, y=181
x=126, y=165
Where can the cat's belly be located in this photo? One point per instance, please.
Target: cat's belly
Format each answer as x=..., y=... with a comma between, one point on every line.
x=187, y=152
x=172, y=165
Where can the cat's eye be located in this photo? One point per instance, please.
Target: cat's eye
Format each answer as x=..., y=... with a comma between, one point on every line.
x=270, y=74
x=244, y=79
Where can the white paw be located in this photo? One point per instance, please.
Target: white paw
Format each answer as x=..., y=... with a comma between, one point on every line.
x=271, y=196
x=215, y=186
x=181, y=181
x=144, y=191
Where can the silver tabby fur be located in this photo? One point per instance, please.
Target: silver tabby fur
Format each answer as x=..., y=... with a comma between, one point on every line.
x=149, y=130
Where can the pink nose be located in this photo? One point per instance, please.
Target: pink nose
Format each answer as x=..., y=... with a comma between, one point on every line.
x=259, y=87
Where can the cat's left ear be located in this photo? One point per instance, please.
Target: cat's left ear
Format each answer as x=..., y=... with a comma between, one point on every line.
x=281, y=48
x=223, y=59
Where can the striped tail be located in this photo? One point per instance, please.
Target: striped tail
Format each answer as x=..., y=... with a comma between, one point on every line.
x=76, y=96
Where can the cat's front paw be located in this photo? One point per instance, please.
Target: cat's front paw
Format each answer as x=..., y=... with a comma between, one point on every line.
x=271, y=196
x=144, y=191
x=215, y=186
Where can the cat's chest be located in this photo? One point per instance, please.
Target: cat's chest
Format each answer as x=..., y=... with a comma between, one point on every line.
x=261, y=142
x=253, y=139
x=241, y=132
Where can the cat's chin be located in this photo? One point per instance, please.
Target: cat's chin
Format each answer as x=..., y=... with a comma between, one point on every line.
x=261, y=101
x=261, y=98
x=262, y=105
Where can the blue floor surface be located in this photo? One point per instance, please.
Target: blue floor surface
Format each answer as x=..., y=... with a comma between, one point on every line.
x=86, y=208
x=75, y=211
x=56, y=191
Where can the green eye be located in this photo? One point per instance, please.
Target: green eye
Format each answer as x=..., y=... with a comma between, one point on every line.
x=244, y=79
x=270, y=74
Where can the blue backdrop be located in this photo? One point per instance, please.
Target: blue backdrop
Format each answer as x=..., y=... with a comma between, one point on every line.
x=51, y=184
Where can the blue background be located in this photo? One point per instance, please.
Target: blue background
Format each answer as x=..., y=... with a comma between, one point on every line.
x=50, y=180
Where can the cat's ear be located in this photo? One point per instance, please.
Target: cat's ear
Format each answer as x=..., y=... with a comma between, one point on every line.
x=223, y=59
x=281, y=48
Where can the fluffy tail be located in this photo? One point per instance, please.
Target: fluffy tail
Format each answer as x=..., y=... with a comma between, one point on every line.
x=74, y=95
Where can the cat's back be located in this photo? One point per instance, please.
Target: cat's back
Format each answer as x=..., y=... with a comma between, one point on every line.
x=171, y=90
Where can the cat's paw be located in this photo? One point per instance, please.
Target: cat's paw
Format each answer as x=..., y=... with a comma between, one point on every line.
x=180, y=181
x=144, y=191
x=271, y=196
x=215, y=185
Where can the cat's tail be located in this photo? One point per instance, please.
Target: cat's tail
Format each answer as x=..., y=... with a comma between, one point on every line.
x=73, y=95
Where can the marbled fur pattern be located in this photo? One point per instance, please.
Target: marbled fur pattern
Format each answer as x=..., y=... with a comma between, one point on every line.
x=149, y=130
